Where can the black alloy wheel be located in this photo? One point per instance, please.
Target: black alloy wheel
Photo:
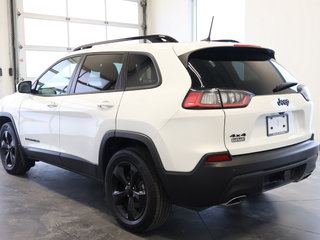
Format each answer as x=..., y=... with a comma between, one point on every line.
x=134, y=193
x=128, y=191
x=8, y=150
x=11, y=157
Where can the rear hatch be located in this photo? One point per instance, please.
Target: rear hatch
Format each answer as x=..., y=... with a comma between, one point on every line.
x=264, y=106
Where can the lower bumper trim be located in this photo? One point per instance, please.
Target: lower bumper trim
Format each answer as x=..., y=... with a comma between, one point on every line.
x=217, y=183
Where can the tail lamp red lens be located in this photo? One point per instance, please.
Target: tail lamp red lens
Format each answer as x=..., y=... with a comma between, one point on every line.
x=202, y=99
x=217, y=98
x=218, y=158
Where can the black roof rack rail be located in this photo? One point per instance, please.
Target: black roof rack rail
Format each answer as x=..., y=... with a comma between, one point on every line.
x=152, y=38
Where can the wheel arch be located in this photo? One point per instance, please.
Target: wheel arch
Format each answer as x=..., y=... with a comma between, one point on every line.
x=7, y=117
x=4, y=118
x=114, y=141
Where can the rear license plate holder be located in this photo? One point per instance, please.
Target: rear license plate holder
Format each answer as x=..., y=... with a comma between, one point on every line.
x=277, y=124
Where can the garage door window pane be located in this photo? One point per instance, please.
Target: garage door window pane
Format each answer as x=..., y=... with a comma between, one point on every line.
x=38, y=61
x=45, y=33
x=121, y=32
x=122, y=11
x=86, y=33
x=56, y=7
x=88, y=9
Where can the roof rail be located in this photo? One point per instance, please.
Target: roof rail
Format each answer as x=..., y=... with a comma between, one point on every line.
x=151, y=38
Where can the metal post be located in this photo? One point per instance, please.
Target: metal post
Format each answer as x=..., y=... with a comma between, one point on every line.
x=143, y=4
x=14, y=41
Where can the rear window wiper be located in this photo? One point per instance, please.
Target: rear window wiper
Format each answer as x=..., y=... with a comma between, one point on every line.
x=284, y=86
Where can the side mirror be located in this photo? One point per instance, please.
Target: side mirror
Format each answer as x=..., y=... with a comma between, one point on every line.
x=24, y=87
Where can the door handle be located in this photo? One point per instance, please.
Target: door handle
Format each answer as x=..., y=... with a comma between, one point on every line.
x=52, y=105
x=106, y=105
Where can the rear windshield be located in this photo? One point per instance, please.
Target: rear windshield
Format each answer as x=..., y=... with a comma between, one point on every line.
x=242, y=68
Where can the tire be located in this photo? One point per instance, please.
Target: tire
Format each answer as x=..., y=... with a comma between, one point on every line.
x=134, y=193
x=10, y=153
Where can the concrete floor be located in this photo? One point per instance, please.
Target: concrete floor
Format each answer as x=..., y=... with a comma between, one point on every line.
x=51, y=203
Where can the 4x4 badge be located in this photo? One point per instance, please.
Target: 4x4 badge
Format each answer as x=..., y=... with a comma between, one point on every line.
x=238, y=137
x=283, y=102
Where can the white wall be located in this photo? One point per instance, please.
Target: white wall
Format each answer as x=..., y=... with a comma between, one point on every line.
x=6, y=82
x=173, y=18
x=292, y=29
x=229, y=22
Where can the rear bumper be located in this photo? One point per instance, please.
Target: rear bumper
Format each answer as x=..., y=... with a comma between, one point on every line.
x=215, y=183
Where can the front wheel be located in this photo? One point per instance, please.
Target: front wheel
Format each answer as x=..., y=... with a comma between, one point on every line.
x=134, y=193
x=11, y=157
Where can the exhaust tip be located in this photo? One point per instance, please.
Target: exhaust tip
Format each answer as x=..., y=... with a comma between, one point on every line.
x=235, y=200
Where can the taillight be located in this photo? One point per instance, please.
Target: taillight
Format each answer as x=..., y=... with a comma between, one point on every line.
x=203, y=99
x=217, y=98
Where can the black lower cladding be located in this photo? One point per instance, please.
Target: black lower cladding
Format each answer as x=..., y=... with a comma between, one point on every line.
x=66, y=161
x=213, y=183
x=216, y=183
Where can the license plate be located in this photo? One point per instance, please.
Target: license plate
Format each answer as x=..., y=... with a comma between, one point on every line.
x=277, y=124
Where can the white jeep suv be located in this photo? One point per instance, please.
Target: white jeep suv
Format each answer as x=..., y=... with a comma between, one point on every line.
x=193, y=124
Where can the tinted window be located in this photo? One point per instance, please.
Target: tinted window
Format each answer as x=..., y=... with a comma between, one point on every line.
x=57, y=78
x=99, y=73
x=252, y=71
x=141, y=71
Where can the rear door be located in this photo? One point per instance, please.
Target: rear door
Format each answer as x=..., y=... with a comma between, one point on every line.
x=276, y=116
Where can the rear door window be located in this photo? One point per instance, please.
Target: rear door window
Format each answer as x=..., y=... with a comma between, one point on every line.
x=236, y=68
x=99, y=73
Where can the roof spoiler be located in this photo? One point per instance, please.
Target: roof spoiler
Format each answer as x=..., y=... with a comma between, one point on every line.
x=230, y=53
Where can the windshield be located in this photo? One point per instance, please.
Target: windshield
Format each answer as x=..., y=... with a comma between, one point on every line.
x=245, y=70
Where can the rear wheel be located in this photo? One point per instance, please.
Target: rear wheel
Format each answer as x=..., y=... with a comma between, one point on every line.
x=11, y=157
x=134, y=192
